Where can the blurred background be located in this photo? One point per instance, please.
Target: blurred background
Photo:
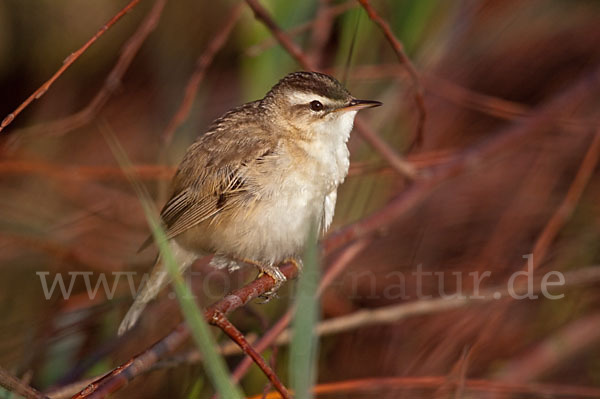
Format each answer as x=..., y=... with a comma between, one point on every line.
x=488, y=69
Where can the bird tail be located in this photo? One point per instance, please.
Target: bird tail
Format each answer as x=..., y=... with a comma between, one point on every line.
x=150, y=289
x=158, y=279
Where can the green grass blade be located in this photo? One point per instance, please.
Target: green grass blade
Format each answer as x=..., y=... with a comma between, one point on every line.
x=304, y=345
x=213, y=362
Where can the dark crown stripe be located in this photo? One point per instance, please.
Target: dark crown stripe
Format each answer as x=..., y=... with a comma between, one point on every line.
x=313, y=82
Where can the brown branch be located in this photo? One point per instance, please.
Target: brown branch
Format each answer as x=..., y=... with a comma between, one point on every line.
x=336, y=268
x=280, y=335
x=484, y=103
x=111, y=83
x=263, y=343
x=232, y=332
x=355, y=388
x=66, y=64
x=470, y=159
x=64, y=254
x=567, y=206
x=144, y=361
x=15, y=385
x=321, y=31
x=202, y=64
x=329, y=12
x=288, y=44
x=192, y=357
x=83, y=172
x=364, y=318
x=420, y=161
x=404, y=60
x=553, y=351
x=489, y=105
x=121, y=376
x=387, y=153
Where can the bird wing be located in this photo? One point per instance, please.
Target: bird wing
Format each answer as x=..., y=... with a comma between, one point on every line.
x=215, y=191
x=218, y=173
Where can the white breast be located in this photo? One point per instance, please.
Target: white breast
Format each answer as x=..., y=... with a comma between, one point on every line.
x=302, y=197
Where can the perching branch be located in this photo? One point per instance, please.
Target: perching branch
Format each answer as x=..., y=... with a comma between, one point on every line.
x=232, y=332
x=363, y=318
x=121, y=376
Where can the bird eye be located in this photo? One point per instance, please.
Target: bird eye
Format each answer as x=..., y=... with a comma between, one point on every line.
x=316, y=105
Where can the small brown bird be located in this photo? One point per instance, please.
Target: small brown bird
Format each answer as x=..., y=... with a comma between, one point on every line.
x=251, y=187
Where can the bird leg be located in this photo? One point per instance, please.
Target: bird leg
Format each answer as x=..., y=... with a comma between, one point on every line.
x=272, y=271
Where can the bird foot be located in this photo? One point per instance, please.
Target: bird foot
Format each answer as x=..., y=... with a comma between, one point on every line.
x=275, y=273
x=277, y=276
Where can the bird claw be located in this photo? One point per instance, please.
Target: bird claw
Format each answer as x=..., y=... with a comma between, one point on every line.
x=277, y=276
x=267, y=296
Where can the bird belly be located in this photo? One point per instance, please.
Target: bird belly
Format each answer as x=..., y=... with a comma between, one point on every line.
x=278, y=225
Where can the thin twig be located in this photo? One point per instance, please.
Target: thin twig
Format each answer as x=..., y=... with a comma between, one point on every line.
x=553, y=351
x=393, y=313
x=321, y=31
x=487, y=104
x=66, y=64
x=146, y=360
x=192, y=357
x=462, y=96
x=121, y=376
x=292, y=48
x=336, y=268
x=404, y=60
x=388, y=153
x=400, y=165
x=368, y=386
x=567, y=206
x=84, y=172
x=329, y=12
x=369, y=317
x=111, y=83
x=15, y=385
x=202, y=64
x=468, y=160
x=421, y=161
x=232, y=332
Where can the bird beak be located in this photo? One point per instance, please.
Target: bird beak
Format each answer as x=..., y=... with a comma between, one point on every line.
x=355, y=105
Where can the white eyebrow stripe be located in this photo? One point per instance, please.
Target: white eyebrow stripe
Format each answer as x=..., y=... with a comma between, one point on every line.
x=304, y=98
